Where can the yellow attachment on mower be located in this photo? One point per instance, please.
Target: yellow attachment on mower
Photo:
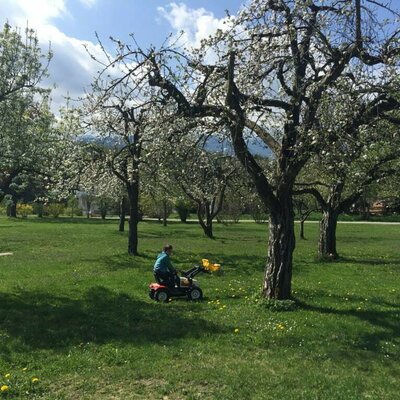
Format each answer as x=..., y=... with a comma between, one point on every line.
x=209, y=266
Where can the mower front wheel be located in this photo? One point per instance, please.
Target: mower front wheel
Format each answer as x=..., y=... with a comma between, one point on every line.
x=161, y=295
x=195, y=294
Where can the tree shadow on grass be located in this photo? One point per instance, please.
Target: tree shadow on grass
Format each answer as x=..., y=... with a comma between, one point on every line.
x=67, y=220
x=238, y=263
x=122, y=261
x=383, y=323
x=42, y=321
x=369, y=261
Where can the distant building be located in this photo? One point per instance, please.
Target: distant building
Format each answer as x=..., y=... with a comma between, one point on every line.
x=378, y=207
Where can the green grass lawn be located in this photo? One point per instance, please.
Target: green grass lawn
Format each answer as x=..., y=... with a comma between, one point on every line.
x=75, y=313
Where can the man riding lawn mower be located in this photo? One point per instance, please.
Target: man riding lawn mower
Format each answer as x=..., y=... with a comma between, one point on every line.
x=170, y=284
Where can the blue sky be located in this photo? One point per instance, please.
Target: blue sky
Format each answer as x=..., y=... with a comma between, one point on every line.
x=141, y=17
x=68, y=24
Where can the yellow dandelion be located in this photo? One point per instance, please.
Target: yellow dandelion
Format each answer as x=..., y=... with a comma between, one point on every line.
x=236, y=330
x=7, y=376
x=35, y=380
x=24, y=369
x=4, y=388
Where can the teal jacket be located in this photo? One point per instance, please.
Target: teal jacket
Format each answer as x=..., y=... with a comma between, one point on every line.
x=163, y=263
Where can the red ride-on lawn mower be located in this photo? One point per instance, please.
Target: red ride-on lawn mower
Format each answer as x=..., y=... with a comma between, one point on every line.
x=188, y=287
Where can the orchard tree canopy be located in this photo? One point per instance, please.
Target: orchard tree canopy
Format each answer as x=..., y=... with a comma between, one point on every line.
x=358, y=146
x=26, y=139
x=122, y=110
x=266, y=74
x=22, y=63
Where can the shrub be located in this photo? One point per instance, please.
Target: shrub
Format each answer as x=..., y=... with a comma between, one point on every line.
x=73, y=205
x=231, y=211
x=55, y=209
x=154, y=208
x=38, y=209
x=24, y=210
x=183, y=209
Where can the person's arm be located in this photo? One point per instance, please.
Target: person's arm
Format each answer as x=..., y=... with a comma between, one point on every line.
x=170, y=266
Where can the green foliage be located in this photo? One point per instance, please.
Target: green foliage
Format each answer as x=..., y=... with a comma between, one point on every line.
x=55, y=209
x=183, y=208
x=38, y=209
x=232, y=208
x=24, y=210
x=73, y=206
x=256, y=209
x=155, y=208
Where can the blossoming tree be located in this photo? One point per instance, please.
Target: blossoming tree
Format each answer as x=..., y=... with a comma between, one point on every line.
x=267, y=74
x=25, y=117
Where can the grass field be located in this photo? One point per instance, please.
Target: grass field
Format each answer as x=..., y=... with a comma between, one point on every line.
x=75, y=314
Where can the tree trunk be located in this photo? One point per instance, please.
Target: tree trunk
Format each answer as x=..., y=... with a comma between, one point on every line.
x=12, y=210
x=327, y=234
x=278, y=273
x=365, y=212
x=133, y=193
x=206, y=224
x=165, y=212
x=302, y=229
x=122, y=215
x=103, y=209
x=208, y=230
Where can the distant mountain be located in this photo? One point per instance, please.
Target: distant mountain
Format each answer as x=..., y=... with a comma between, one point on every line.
x=256, y=146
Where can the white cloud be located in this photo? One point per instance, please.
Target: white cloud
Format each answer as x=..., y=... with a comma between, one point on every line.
x=37, y=12
x=71, y=69
x=88, y=3
x=197, y=24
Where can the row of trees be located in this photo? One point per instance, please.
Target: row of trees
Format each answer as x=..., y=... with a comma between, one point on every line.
x=315, y=82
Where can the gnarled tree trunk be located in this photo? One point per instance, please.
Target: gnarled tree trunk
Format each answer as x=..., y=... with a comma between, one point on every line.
x=205, y=219
x=278, y=272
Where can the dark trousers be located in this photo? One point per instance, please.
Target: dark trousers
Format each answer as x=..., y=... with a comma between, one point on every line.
x=167, y=278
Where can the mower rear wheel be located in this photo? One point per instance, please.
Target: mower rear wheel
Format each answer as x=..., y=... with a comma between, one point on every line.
x=161, y=295
x=195, y=294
